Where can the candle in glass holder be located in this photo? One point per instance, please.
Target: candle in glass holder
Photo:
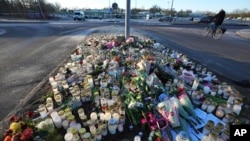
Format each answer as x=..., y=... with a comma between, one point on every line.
x=93, y=116
x=98, y=134
x=110, y=102
x=107, y=116
x=211, y=107
x=49, y=106
x=101, y=116
x=207, y=128
x=104, y=104
x=68, y=137
x=120, y=127
x=205, y=105
x=195, y=84
x=58, y=99
x=80, y=111
x=84, y=120
x=204, y=70
x=92, y=129
x=137, y=138
x=122, y=110
x=112, y=126
x=82, y=131
x=42, y=110
x=122, y=119
x=65, y=124
x=86, y=136
x=220, y=90
x=58, y=121
x=116, y=116
x=104, y=130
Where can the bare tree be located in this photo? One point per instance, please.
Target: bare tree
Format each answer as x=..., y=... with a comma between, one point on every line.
x=155, y=9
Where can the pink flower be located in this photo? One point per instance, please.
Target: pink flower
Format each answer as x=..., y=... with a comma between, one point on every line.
x=143, y=121
x=109, y=45
x=130, y=40
x=153, y=127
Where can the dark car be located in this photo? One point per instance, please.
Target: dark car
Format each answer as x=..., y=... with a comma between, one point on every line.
x=167, y=18
x=206, y=19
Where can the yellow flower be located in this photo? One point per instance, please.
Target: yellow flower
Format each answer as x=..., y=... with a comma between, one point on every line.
x=15, y=127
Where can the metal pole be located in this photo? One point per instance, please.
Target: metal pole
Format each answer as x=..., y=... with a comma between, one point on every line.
x=171, y=8
x=127, y=20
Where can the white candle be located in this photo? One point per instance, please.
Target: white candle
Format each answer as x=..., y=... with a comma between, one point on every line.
x=68, y=137
x=92, y=129
x=102, y=116
x=195, y=84
x=80, y=111
x=58, y=99
x=137, y=138
x=93, y=116
x=58, y=121
x=49, y=106
x=116, y=116
x=65, y=124
x=107, y=116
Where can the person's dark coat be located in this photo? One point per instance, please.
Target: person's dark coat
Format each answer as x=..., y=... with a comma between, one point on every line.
x=219, y=18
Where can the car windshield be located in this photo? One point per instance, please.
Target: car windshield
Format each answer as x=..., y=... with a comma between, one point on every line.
x=77, y=13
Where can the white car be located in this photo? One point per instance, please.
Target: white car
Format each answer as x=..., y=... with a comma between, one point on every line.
x=79, y=15
x=196, y=19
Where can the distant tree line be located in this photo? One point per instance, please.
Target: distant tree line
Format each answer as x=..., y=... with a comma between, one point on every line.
x=42, y=9
x=27, y=8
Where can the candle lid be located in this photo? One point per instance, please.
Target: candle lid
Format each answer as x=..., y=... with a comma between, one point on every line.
x=82, y=130
x=112, y=121
x=86, y=135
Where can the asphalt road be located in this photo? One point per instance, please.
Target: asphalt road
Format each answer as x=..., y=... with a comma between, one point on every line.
x=29, y=52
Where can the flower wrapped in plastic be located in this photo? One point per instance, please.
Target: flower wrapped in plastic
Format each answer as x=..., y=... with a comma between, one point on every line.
x=169, y=112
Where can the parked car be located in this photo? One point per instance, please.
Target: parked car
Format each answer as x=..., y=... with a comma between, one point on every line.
x=203, y=19
x=166, y=18
x=196, y=20
x=206, y=19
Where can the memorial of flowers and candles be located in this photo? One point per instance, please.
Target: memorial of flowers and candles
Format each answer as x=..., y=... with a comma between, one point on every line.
x=113, y=88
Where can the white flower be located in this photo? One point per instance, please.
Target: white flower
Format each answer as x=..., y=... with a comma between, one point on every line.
x=131, y=104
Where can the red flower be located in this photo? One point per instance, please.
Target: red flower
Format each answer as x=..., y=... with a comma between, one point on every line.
x=158, y=139
x=27, y=134
x=30, y=114
x=12, y=119
x=171, y=113
x=117, y=59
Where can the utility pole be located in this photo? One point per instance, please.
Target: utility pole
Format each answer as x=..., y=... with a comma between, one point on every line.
x=127, y=19
x=171, y=8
